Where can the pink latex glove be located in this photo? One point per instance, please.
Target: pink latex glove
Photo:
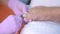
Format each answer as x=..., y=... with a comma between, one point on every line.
x=18, y=7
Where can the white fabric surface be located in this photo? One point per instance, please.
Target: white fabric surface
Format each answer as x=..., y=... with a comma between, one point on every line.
x=47, y=3
x=41, y=27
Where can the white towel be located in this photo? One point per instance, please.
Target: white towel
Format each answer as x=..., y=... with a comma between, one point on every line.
x=48, y=3
x=41, y=27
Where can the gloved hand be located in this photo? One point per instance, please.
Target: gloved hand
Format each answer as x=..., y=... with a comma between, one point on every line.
x=18, y=7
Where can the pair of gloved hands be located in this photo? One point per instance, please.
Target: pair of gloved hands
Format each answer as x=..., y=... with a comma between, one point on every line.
x=37, y=13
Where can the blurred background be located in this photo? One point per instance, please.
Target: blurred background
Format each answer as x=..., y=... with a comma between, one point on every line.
x=26, y=1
